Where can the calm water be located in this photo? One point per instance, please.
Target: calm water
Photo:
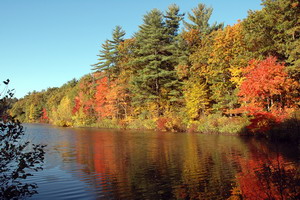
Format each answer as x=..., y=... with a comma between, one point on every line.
x=106, y=164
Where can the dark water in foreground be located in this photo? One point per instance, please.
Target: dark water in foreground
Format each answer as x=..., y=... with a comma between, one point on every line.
x=106, y=164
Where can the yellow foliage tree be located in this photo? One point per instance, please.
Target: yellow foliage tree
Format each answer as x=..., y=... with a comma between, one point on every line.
x=228, y=57
x=196, y=87
x=62, y=116
x=80, y=118
x=196, y=98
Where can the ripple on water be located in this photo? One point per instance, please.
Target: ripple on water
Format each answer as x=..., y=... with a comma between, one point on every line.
x=95, y=164
x=57, y=184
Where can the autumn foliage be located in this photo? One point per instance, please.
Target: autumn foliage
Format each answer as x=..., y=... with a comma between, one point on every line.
x=102, y=90
x=267, y=93
x=44, y=117
x=206, y=76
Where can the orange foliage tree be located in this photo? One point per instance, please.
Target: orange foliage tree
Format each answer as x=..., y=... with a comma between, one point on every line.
x=267, y=93
x=103, y=104
x=111, y=99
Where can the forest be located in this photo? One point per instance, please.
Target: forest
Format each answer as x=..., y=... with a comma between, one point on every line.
x=179, y=72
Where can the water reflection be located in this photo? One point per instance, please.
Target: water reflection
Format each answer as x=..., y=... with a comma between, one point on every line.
x=159, y=166
x=137, y=165
x=267, y=174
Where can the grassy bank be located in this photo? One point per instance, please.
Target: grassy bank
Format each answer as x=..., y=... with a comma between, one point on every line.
x=288, y=130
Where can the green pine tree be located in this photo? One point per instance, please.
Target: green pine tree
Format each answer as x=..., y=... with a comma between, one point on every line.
x=155, y=81
x=199, y=20
x=109, y=55
x=105, y=57
x=172, y=20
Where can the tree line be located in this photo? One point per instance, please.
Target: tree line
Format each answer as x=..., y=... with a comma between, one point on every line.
x=202, y=77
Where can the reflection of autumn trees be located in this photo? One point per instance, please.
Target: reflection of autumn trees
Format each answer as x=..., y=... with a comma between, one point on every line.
x=209, y=167
x=103, y=157
x=128, y=165
x=267, y=175
x=159, y=166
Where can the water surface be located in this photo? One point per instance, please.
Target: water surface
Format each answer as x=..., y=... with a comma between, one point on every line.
x=109, y=164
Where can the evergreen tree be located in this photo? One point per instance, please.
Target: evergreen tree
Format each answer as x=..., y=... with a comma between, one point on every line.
x=172, y=23
x=155, y=81
x=199, y=18
x=105, y=57
x=172, y=20
x=109, y=55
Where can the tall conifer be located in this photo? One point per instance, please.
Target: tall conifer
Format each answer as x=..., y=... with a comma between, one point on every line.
x=199, y=20
x=155, y=81
x=109, y=55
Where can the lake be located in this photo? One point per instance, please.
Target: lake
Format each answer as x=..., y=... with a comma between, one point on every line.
x=82, y=163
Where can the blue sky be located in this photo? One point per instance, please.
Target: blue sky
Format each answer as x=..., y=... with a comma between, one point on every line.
x=45, y=43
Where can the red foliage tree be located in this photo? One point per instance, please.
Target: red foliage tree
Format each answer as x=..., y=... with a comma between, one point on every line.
x=267, y=91
x=44, y=118
x=77, y=105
